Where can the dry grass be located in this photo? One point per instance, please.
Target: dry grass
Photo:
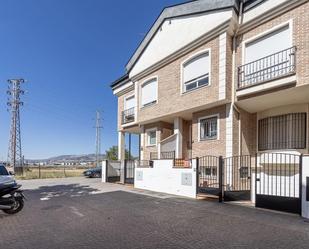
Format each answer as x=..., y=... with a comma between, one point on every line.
x=50, y=172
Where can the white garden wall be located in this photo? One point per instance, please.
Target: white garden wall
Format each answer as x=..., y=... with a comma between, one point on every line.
x=305, y=198
x=166, y=179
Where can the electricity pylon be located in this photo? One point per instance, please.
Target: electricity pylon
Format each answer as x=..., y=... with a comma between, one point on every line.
x=15, y=156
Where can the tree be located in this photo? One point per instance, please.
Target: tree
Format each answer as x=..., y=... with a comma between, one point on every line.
x=112, y=153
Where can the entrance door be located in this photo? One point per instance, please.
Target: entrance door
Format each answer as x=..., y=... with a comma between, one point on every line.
x=278, y=179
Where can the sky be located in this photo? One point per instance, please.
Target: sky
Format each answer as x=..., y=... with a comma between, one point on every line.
x=69, y=51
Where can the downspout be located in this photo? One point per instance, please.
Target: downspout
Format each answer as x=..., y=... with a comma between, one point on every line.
x=239, y=22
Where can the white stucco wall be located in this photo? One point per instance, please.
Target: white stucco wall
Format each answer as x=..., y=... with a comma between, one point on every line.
x=166, y=179
x=176, y=33
x=260, y=9
x=103, y=174
x=305, y=174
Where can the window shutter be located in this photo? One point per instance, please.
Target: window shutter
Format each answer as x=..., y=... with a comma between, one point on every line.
x=269, y=44
x=196, y=67
x=149, y=92
x=129, y=103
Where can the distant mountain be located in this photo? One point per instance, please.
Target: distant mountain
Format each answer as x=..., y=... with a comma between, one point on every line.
x=69, y=158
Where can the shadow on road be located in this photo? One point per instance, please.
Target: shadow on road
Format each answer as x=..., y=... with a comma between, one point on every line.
x=70, y=190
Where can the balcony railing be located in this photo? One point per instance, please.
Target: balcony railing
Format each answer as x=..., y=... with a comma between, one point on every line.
x=267, y=68
x=163, y=155
x=128, y=116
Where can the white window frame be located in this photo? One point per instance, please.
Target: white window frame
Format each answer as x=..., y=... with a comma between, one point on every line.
x=218, y=128
x=191, y=57
x=140, y=91
x=267, y=32
x=125, y=100
x=147, y=131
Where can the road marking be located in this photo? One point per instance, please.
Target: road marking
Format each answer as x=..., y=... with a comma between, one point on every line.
x=76, y=212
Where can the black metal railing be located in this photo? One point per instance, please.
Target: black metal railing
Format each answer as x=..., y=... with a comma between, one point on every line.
x=286, y=131
x=128, y=116
x=208, y=173
x=163, y=155
x=167, y=155
x=274, y=66
x=278, y=174
x=237, y=173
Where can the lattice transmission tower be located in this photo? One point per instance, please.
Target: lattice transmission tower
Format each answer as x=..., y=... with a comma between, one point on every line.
x=15, y=157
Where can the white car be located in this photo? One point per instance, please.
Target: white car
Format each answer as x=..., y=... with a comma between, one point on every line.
x=5, y=177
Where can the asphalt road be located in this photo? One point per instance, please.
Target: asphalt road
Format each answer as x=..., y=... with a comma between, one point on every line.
x=84, y=213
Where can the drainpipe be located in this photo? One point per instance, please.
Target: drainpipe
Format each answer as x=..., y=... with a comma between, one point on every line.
x=240, y=20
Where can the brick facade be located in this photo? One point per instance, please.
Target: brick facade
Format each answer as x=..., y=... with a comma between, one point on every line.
x=205, y=101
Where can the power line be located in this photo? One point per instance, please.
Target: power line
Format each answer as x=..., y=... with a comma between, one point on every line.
x=15, y=156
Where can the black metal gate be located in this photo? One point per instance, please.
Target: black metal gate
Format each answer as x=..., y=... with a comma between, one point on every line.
x=129, y=169
x=237, y=178
x=278, y=182
x=228, y=178
x=209, y=175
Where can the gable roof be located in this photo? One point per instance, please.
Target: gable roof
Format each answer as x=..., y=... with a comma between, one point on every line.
x=188, y=8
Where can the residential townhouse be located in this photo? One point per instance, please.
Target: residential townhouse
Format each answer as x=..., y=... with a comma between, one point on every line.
x=219, y=77
x=222, y=78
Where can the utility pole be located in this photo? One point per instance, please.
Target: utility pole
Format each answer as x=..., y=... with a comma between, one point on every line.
x=15, y=156
x=98, y=128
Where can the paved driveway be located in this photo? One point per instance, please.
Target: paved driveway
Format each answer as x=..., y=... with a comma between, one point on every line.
x=84, y=213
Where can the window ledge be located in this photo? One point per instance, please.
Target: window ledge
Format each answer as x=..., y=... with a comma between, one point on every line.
x=195, y=89
x=151, y=145
x=208, y=139
x=149, y=105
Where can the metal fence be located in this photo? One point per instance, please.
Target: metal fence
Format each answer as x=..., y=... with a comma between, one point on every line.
x=163, y=155
x=128, y=116
x=267, y=68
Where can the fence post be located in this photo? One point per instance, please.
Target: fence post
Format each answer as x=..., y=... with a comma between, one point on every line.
x=64, y=170
x=305, y=186
x=39, y=171
x=122, y=171
x=125, y=170
x=221, y=163
x=104, y=171
x=300, y=182
x=197, y=173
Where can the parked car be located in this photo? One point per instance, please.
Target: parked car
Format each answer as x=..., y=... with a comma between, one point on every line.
x=5, y=176
x=95, y=172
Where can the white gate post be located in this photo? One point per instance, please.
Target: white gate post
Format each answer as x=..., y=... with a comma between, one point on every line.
x=305, y=186
x=104, y=171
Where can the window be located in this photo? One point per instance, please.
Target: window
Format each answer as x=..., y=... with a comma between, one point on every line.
x=210, y=171
x=209, y=128
x=149, y=92
x=244, y=172
x=268, y=44
x=282, y=132
x=151, y=137
x=129, y=102
x=196, y=72
x=3, y=171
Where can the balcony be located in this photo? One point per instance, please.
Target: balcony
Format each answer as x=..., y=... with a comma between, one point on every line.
x=269, y=68
x=128, y=116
